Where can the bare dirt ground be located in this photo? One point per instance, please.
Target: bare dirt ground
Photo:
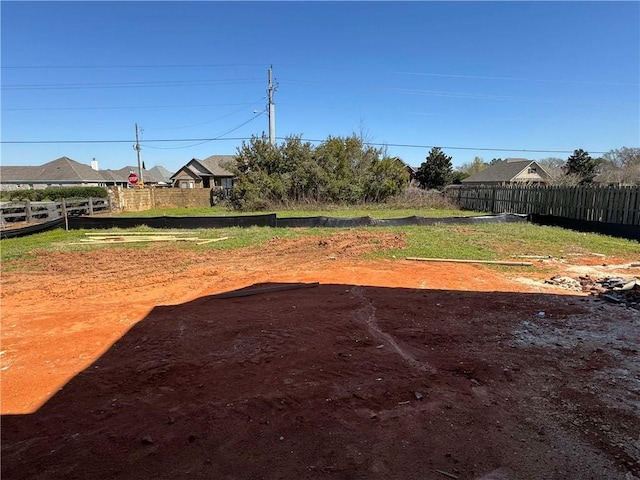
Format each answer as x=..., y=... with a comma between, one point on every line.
x=121, y=363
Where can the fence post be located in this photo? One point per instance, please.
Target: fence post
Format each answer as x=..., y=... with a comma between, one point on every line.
x=64, y=214
x=90, y=206
x=27, y=211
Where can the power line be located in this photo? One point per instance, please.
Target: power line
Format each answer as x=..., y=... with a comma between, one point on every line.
x=128, y=108
x=463, y=95
x=325, y=67
x=52, y=142
x=483, y=149
x=213, y=120
x=168, y=83
x=134, y=66
x=435, y=93
x=513, y=79
x=375, y=144
x=218, y=137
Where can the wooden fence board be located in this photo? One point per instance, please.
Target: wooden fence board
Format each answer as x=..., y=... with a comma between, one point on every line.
x=592, y=203
x=36, y=212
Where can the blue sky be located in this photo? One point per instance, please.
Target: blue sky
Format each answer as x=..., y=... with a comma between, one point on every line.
x=477, y=76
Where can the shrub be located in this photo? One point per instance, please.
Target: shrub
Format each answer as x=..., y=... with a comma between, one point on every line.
x=58, y=193
x=339, y=170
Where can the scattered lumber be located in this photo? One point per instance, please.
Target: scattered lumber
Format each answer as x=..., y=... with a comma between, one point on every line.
x=261, y=290
x=211, y=240
x=134, y=240
x=98, y=238
x=120, y=234
x=458, y=260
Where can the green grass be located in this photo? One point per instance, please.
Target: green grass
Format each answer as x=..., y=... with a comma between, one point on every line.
x=500, y=241
x=31, y=245
x=472, y=242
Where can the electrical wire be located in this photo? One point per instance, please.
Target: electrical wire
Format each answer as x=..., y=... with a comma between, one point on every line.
x=126, y=108
x=306, y=67
x=436, y=93
x=218, y=137
x=135, y=66
x=513, y=79
x=211, y=121
x=378, y=144
x=168, y=83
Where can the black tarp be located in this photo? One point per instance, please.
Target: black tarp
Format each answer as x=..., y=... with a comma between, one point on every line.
x=394, y=222
x=267, y=220
x=631, y=232
x=31, y=229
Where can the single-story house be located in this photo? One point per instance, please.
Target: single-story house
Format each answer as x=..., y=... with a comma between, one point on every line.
x=510, y=171
x=408, y=168
x=121, y=177
x=211, y=172
x=65, y=172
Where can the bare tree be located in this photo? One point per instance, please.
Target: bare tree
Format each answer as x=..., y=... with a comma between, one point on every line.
x=620, y=167
x=556, y=168
x=474, y=167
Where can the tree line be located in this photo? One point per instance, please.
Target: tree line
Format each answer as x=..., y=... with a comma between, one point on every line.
x=346, y=170
x=618, y=166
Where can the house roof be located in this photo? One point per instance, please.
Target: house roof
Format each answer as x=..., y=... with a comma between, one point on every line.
x=216, y=164
x=213, y=166
x=503, y=171
x=189, y=170
x=161, y=173
x=66, y=170
x=62, y=169
x=17, y=174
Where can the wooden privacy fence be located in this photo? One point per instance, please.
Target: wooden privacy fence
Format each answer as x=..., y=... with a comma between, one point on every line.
x=36, y=212
x=618, y=205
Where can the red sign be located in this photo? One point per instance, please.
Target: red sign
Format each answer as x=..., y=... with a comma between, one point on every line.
x=133, y=179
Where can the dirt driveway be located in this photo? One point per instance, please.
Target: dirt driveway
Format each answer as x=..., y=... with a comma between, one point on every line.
x=122, y=363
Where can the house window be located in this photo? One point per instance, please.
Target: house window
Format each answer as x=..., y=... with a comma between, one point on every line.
x=532, y=170
x=227, y=183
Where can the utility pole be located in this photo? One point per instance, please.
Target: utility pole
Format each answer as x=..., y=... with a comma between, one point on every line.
x=272, y=109
x=137, y=148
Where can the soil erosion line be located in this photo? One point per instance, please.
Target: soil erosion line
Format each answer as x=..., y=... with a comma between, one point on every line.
x=367, y=313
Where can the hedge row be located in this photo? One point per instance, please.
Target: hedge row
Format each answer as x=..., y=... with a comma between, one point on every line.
x=57, y=193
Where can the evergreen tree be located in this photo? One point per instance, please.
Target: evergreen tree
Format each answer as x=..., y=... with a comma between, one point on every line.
x=436, y=171
x=582, y=165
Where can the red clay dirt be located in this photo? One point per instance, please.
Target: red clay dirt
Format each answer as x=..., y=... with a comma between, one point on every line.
x=122, y=363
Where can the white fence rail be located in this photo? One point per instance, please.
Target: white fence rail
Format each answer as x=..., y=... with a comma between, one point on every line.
x=37, y=212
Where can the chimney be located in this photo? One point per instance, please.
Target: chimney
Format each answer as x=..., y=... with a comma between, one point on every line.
x=94, y=164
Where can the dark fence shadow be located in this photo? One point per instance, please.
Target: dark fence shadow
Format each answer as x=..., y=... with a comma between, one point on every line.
x=271, y=220
x=341, y=381
x=631, y=232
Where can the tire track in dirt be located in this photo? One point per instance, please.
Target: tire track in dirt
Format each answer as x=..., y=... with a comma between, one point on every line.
x=367, y=314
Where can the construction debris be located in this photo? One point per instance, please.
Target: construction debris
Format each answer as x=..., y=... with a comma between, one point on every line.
x=458, y=260
x=611, y=289
x=565, y=282
x=96, y=238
